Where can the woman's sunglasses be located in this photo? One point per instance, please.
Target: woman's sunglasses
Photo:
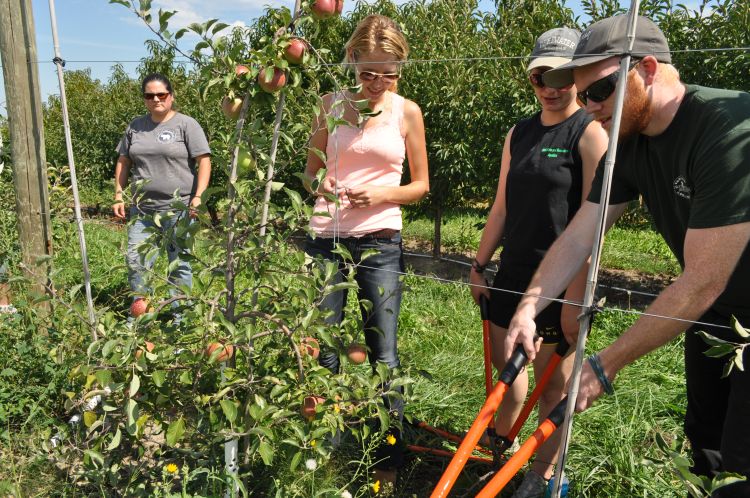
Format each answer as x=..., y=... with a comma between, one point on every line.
x=370, y=76
x=601, y=89
x=161, y=95
x=537, y=81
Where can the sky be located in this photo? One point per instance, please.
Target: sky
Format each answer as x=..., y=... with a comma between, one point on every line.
x=95, y=33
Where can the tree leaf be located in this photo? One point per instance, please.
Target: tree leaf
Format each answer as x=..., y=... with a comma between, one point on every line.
x=159, y=376
x=89, y=418
x=115, y=440
x=739, y=329
x=229, y=409
x=135, y=384
x=175, y=431
x=266, y=452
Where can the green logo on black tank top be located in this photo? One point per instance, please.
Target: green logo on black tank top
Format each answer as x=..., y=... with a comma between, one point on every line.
x=554, y=151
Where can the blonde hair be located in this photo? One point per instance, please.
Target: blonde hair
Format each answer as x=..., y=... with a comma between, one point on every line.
x=376, y=32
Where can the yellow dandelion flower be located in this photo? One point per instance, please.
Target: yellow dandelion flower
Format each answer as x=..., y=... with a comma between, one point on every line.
x=390, y=439
x=172, y=468
x=376, y=487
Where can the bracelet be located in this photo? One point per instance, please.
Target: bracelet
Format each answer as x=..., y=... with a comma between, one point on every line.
x=596, y=366
x=477, y=267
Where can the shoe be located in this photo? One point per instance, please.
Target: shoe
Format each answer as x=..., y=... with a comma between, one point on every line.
x=532, y=486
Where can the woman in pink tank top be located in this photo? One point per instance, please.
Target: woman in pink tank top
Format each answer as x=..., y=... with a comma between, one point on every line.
x=359, y=193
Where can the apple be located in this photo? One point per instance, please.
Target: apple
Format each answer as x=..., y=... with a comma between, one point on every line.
x=295, y=51
x=239, y=70
x=139, y=307
x=357, y=353
x=227, y=351
x=139, y=351
x=245, y=161
x=276, y=83
x=323, y=9
x=309, y=404
x=231, y=107
x=311, y=346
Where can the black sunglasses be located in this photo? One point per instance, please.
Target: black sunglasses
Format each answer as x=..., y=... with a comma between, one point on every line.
x=537, y=80
x=161, y=95
x=601, y=89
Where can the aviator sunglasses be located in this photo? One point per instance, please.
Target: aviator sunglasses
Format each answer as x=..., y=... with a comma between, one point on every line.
x=161, y=95
x=370, y=76
x=601, y=89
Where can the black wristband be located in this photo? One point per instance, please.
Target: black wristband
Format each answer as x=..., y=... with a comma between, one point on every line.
x=479, y=268
x=596, y=366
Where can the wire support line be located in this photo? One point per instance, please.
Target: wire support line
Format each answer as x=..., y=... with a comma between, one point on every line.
x=550, y=299
x=411, y=61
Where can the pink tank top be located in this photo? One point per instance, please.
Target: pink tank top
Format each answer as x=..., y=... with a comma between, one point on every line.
x=359, y=156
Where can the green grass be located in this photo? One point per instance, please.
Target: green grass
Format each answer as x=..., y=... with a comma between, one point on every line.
x=441, y=333
x=625, y=247
x=440, y=345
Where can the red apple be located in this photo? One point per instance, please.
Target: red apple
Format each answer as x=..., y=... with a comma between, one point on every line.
x=309, y=404
x=310, y=346
x=139, y=351
x=357, y=353
x=239, y=70
x=276, y=83
x=295, y=51
x=323, y=9
x=231, y=107
x=227, y=351
x=139, y=307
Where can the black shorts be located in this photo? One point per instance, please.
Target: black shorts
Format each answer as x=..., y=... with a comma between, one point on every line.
x=503, y=304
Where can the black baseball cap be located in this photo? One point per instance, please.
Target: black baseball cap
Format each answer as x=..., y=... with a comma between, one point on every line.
x=608, y=38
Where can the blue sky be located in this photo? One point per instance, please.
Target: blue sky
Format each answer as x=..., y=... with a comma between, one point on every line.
x=94, y=33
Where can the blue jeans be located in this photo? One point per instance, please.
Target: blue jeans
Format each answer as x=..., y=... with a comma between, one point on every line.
x=379, y=281
x=140, y=229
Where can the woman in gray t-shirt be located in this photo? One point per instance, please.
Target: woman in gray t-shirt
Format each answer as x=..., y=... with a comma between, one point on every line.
x=166, y=156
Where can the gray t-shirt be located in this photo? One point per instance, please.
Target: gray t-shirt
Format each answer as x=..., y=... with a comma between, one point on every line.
x=163, y=155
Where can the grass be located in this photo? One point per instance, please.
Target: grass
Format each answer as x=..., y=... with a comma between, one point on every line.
x=440, y=345
x=625, y=247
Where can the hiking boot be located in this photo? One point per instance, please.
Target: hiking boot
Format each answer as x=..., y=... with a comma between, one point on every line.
x=532, y=486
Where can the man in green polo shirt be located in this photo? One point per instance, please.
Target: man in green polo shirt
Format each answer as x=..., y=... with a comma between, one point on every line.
x=686, y=150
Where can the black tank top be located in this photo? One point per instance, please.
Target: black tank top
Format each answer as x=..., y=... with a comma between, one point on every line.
x=543, y=189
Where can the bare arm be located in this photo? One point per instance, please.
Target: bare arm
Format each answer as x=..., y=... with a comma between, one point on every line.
x=591, y=147
x=493, y=229
x=122, y=176
x=711, y=255
x=204, y=176
x=555, y=273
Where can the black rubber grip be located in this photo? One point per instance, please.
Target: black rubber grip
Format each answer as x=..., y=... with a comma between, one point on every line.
x=514, y=365
x=557, y=415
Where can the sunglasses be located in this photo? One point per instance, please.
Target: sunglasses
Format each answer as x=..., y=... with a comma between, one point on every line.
x=161, y=95
x=601, y=89
x=370, y=76
x=537, y=81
